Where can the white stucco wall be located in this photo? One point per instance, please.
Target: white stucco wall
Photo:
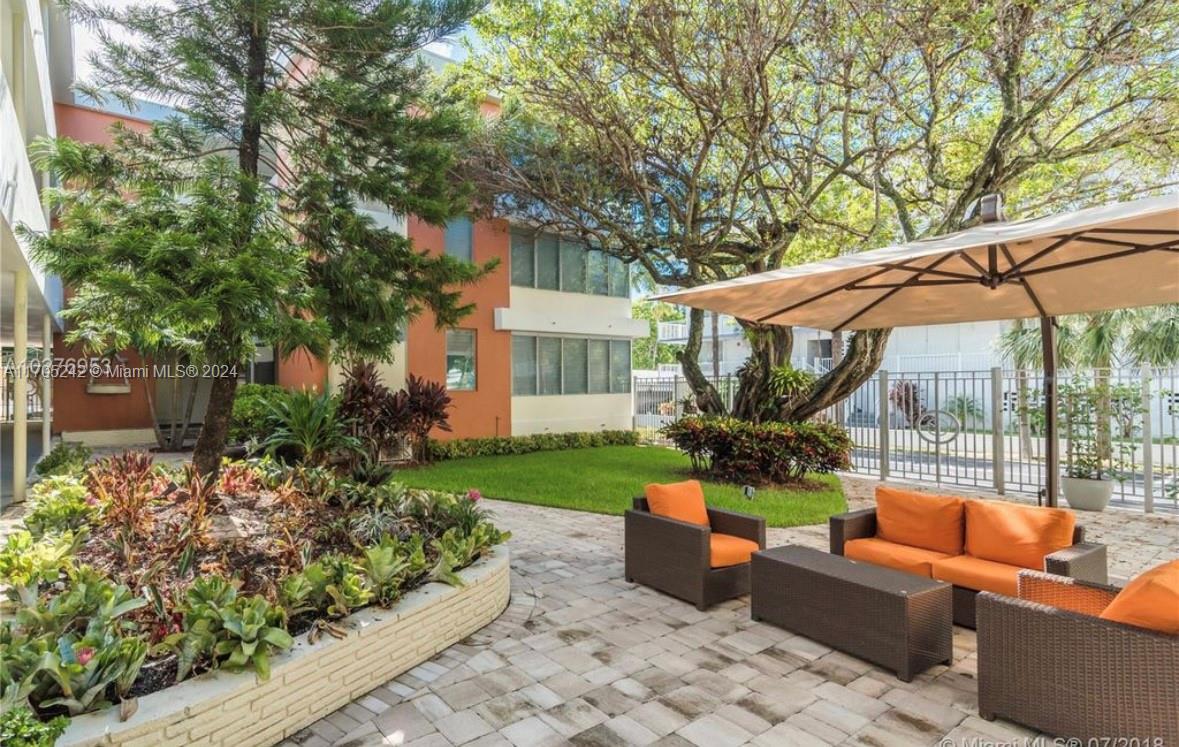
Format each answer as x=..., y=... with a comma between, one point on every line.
x=571, y=412
x=537, y=311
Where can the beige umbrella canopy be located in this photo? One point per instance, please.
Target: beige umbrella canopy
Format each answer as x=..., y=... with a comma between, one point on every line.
x=1110, y=257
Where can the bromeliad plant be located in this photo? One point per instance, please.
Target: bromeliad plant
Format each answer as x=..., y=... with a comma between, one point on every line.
x=228, y=630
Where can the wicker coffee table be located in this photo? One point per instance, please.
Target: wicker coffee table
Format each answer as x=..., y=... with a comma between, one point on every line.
x=897, y=620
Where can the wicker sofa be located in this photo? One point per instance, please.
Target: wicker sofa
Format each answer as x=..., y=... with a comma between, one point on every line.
x=857, y=535
x=1045, y=660
x=674, y=556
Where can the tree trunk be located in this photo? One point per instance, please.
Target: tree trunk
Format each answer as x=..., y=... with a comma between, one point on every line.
x=206, y=456
x=863, y=357
x=149, y=385
x=707, y=398
x=1025, y=425
x=769, y=348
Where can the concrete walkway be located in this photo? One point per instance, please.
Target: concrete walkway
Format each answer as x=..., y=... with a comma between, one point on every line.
x=581, y=657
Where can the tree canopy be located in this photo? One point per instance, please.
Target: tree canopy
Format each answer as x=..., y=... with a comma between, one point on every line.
x=325, y=112
x=708, y=140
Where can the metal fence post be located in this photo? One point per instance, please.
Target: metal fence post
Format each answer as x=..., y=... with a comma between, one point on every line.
x=1147, y=447
x=883, y=422
x=998, y=463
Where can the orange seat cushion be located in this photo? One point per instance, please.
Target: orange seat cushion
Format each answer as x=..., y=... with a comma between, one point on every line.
x=916, y=560
x=931, y=522
x=978, y=574
x=678, y=500
x=1016, y=535
x=1149, y=601
x=726, y=550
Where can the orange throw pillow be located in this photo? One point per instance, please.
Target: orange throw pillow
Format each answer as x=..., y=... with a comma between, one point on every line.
x=678, y=500
x=1149, y=601
x=726, y=550
x=931, y=522
x=1016, y=535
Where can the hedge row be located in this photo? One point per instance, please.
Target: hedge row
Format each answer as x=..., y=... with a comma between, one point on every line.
x=731, y=450
x=502, y=446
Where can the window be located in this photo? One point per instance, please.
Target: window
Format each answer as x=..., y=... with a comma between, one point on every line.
x=523, y=365
x=457, y=239
x=619, y=278
x=573, y=267
x=460, y=359
x=599, y=366
x=548, y=353
x=523, y=259
x=573, y=365
x=548, y=265
x=619, y=366
x=599, y=276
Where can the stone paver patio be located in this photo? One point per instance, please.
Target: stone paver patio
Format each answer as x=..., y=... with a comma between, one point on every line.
x=581, y=657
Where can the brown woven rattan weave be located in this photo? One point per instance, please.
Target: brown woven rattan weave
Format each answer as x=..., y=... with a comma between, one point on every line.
x=1072, y=674
x=894, y=619
x=1084, y=560
x=673, y=556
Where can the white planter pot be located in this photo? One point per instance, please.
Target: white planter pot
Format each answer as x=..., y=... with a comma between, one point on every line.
x=1087, y=495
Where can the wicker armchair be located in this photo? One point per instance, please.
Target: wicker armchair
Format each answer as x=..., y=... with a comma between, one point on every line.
x=1084, y=560
x=1045, y=660
x=673, y=556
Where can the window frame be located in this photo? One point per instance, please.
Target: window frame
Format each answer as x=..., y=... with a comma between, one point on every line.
x=474, y=359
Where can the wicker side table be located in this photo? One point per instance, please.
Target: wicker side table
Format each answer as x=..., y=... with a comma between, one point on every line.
x=897, y=620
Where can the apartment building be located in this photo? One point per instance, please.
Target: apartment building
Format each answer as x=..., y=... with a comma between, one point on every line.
x=937, y=347
x=547, y=348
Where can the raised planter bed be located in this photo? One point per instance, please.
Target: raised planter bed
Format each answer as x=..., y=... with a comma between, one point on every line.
x=311, y=680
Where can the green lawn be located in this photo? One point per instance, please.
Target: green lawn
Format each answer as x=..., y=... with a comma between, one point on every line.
x=603, y=480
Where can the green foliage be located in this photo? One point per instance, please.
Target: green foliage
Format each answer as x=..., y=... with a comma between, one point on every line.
x=67, y=650
x=58, y=504
x=65, y=458
x=648, y=352
x=788, y=382
x=308, y=427
x=26, y=564
x=738, y=451
x=19, y=727
x=390, y=565
x=496, y=446
x=334, y=585
x=228, y=630
x=253, y=405
x=458, y=549
x=966, y=408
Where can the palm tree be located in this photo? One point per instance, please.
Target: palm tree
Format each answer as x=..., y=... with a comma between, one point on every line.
x=1023, y=345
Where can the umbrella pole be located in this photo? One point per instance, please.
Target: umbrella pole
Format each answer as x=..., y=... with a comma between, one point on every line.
x=1051, y=446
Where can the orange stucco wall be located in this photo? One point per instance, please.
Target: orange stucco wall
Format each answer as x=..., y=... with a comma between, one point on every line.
x=486, y=411
x=301, y=370
x=75, y=409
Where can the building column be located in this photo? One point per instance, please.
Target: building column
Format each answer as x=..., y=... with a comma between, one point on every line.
x=46, y=383
x=20, y=384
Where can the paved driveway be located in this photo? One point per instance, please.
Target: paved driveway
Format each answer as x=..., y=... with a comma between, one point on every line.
x=582, y=657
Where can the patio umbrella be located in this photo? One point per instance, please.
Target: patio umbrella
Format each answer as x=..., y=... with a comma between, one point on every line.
x=1109, y=257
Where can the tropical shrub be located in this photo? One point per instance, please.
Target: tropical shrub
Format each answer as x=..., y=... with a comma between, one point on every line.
x=59, y=503
x=739, y=451
x=252, y=408
x=505, y=445
x=376, y=416
x=65, y=459
x=309, y=428
x=426, y=406
x=27, y=564
x=228, y=630
x=20, y=728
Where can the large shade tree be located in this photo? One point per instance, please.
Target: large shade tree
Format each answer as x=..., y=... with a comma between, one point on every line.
x=317, y=108
x=708, y=140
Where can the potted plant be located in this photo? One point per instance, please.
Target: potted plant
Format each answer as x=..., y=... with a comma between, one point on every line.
x=1087, y=479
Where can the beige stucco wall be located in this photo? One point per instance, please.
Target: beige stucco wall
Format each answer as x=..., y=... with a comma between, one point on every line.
x=570, y=412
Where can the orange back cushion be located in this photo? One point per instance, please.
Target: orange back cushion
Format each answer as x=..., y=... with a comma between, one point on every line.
x=1017, y=535
x=1149, y=601
x=931, y=522
x=678, y=500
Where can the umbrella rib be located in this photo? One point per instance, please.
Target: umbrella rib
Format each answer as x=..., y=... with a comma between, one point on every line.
x=942, y=273
x=1165, y=246
x=982, y=271
x=894, y=291
x=1017, y=267
x=1024, y=281
x=820, y=296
